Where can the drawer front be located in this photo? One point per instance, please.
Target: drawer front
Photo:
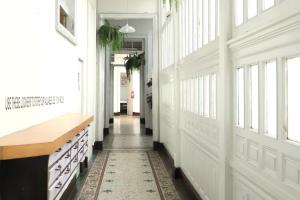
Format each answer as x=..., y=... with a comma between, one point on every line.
x=74, y=150
x=54, y=190
x=66, y=174
x=74, y=163
x=55, y=156
x=85, y=147
x=66, y=159
x=81, y=154
x=54, y=173
x=82, y=141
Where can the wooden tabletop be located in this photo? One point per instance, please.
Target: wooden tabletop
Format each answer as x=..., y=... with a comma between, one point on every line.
x=42, y=139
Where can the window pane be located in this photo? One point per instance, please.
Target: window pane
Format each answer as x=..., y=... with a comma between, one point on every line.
x=267, y=4
x=205, y=21
x=201, y=96
x=239, y=12
x=254, y=96
x=200, y=24
x=270, y=99
x=196, y=95
x=240, y=97
x=214, y=95
x=293, y=83
x=206, y=96
x=195, y=25
x=212, y=20
x=252, y=8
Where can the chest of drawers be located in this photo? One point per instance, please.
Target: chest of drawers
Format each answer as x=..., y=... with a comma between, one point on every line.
x=45, y=177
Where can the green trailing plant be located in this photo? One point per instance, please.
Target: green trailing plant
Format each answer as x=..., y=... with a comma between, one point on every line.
x=134, y=62
x=171, y=3
x=109, y=36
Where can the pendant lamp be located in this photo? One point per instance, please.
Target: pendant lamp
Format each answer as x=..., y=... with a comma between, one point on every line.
x=127, y=29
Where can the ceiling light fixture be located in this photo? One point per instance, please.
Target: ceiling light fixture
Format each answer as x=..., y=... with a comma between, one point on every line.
x=127, y=29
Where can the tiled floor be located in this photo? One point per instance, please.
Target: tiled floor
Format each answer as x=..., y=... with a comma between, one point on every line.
x=128, y=168
x=127, y=133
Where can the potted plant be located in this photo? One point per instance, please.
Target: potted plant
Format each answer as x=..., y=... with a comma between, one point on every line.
x=109, y=36
x=134, y=62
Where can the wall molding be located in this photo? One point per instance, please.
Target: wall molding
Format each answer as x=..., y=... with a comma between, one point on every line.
x=270, y=31
x=271, y=188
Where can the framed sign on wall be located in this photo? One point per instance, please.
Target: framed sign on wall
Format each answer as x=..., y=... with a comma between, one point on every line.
x=66, y=19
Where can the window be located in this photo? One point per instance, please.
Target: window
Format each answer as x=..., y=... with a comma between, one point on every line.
x=205, y=21
x=212, y=20
x=240, y=97
x=196, y=95
x=254, y=97
x=252, y=8
x=195, y=25
x=239, y=12
x=201, y=96
x=270, y=122
x=200, y=29
x=293, y=99
x=214, y=95
x=206, y=96
x=268, y=4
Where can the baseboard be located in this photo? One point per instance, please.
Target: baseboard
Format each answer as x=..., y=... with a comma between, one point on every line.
x=105, y=131
x=111, y=120
x=169, y=161
x=149, y=131
x=142, y=120
x=98, y=145
x=175, y=172
x=188, y=185
x=117, y=114
x=136, y=114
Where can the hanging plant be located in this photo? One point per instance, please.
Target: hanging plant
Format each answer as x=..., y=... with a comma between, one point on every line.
x=171, y=3
x=109, y=36
x=134, y=62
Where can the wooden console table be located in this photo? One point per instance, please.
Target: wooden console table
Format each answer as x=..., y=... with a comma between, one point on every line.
x=41, y=162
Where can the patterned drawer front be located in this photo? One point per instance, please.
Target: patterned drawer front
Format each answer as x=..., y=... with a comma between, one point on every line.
x=74, y=150
x=74, y=163
x=82, y=141
x=66, y=159
x=77, y=137
x=85, y=147
x=54, y=189
x=55, y=156
x=81, y=154
x=53, y=173
x=66, y=174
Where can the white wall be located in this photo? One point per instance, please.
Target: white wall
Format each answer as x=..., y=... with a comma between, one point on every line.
x=223, y=161
x=134, y=6
x=38, y=61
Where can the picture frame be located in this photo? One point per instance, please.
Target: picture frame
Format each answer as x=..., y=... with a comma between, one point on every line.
x=65, y=21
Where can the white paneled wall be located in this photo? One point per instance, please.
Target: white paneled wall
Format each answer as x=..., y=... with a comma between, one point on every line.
x=228, y=105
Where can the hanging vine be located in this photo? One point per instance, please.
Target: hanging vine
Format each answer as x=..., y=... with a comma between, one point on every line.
x=134, y=62
x=109, y=36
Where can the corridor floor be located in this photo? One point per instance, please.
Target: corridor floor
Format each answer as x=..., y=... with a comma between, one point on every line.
x=128, y=168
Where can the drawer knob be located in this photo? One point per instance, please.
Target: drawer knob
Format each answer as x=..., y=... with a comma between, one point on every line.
x=58, y=168
x=58, y=185
x=67, y=171
x=58, y=150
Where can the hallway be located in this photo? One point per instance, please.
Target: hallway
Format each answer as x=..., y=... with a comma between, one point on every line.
x=210, y=87
x=126, y=132
x=128, y=168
